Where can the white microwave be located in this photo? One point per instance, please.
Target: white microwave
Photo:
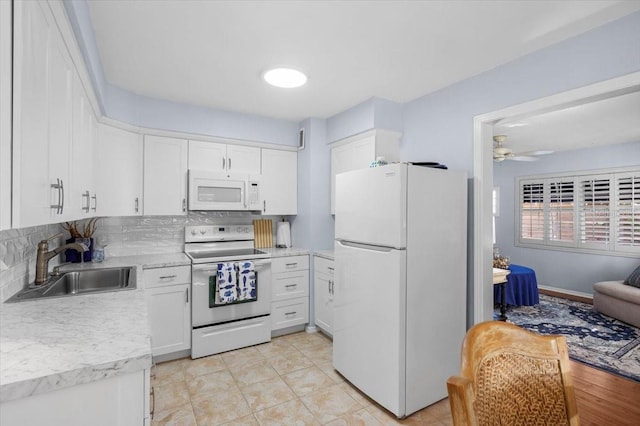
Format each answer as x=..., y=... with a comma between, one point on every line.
x=222, y=191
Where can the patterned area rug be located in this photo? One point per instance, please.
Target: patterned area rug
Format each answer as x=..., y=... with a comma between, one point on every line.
x=593, y=338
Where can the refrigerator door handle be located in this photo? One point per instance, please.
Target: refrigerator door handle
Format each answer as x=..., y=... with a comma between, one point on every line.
x=369, y=247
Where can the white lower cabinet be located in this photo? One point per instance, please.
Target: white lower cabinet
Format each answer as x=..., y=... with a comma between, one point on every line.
x=323, y=293
x=168, y=292
x=115, y=401
x=289, y=293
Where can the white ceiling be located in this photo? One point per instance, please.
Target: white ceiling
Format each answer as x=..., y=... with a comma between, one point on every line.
x=609, y=121
x=212, y=53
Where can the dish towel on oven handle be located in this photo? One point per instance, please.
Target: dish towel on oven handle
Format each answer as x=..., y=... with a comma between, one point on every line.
x=226, y=278
x=246, y=280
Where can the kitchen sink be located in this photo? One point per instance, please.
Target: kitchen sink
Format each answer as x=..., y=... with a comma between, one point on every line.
x=85, y=281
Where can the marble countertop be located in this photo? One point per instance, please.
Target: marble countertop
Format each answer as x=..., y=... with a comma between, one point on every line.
x=327, y=254
x=50, y=344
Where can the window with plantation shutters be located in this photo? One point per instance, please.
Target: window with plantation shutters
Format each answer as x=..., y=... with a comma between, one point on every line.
x=560, y=211
x=595, y=212
x=589, y=212
x=532, y=211
x=627, y=207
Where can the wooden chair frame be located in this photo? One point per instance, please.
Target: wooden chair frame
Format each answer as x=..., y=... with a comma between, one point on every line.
x=489, y=339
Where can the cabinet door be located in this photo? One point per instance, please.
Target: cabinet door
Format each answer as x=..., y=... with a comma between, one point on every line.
x=119, y=172
x=243, y=159
x=279, y=189
x=60, y=114
x=323, y=294
x=352, y=156
x=6, y=34
x=82, y=196
x=170, y=318
x=209, y=156
x=165, y=176
x=31, y=191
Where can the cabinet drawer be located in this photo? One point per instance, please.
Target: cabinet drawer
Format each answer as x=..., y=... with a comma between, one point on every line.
x=289, y=285
x=287, y=313
x=290, y=263
x=323, y=266
x=158, y=277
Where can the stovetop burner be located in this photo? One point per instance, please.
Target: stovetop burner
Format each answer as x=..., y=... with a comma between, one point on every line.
x=209, y=244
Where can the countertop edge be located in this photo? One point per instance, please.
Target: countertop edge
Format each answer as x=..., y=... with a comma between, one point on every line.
x=30, y=387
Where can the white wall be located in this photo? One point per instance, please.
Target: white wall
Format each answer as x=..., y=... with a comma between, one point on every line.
x=561, y=269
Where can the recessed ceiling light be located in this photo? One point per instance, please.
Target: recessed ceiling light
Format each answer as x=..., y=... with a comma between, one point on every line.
x=285, y=77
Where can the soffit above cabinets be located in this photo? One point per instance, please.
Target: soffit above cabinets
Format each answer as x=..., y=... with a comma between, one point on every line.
x=213, y=53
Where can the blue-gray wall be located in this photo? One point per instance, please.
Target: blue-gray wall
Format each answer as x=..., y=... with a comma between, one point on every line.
x=439, y=126
x=554, y=268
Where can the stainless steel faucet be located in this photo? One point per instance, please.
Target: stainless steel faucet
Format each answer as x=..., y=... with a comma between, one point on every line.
x=44, y=256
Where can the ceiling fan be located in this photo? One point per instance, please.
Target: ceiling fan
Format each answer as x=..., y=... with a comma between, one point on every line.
x=501, y=153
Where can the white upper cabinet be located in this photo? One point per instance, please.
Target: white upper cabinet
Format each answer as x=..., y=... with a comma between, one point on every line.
x=119, y=172
x=220, y=157
x=165, y=176
x=42, y=118
x=279, y=189
x=83, y=200
x=357, y=152
x=6, y=31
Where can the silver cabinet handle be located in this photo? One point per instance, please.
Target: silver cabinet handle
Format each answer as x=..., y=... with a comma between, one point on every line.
x=167, y=277
x=94, y=197
x=186, y=292
x=223, y=162
x=329, y=286
x=291, y=285
x=86, y=194
x=58, y=187
x=229, y=163
x=291, y=265
x=136, y=204
x=264, y=206
x=61, y=196
x=153, y=402
x=330, y=268
x=184, y=205
x=290, y=313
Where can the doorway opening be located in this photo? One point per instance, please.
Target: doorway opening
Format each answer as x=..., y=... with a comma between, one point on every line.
x=482, y=307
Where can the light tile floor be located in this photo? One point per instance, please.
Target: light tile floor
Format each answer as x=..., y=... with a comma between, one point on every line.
x=288, y=381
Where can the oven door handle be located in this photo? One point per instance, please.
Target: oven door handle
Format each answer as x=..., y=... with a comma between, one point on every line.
x=213, y=266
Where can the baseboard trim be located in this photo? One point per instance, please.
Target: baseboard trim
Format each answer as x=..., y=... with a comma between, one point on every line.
x=577, y=296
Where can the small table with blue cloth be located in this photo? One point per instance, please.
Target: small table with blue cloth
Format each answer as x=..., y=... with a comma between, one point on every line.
x=521, y=288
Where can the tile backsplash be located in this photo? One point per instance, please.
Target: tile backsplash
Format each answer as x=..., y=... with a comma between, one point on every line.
x=18, y=249
x=120, y=236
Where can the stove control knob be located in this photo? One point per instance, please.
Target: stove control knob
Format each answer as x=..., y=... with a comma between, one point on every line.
x=193, y=232
x=203, y=231
x=238, y=229
x=246, y=229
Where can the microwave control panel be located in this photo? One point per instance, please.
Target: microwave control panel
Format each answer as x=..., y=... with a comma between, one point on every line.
x=254, y=194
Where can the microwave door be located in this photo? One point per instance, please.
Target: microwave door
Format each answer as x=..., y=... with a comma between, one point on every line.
x=215, y=194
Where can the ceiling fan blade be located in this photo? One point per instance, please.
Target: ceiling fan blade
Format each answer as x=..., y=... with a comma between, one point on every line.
x=536, y=152
x=523, y=158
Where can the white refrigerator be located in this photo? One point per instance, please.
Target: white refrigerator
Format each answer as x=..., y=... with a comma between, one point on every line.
x=400, y=282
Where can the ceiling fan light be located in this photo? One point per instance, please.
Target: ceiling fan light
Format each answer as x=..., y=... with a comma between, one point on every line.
x=501, y=151
x=287, y=78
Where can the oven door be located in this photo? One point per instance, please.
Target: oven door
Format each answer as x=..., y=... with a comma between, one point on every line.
x=206, y=305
